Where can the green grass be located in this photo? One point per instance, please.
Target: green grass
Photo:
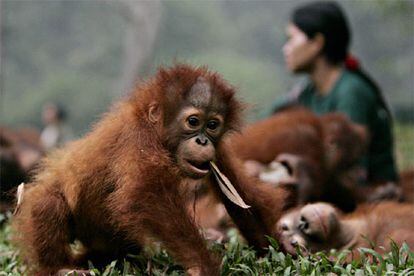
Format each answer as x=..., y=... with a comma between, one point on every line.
x=239, y=259
x=404, y=141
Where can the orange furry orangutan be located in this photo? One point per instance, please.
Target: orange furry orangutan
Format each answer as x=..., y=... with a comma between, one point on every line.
x=319, y=151
x=120, y=186
x=319, y=226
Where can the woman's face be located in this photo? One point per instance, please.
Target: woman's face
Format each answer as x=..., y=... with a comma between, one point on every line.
x=299, y=51
x=50, y=114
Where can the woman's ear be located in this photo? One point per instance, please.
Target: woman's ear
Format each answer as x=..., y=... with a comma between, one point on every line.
x=318, y=42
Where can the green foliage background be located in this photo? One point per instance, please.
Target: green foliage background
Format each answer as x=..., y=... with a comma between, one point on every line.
x=70, y=51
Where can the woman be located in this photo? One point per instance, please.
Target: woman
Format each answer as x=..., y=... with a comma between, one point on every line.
x=317, y=45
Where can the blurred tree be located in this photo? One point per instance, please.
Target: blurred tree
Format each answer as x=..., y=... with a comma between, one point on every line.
x=142, y=20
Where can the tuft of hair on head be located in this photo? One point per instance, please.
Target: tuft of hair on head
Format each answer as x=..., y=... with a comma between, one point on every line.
x=176, y=81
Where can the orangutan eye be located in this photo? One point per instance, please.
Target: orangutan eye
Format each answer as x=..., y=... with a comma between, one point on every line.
x=213, y=124
x=193, y=121
x=303, y=223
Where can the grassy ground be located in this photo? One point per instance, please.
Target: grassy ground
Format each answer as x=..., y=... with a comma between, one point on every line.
x=238, y=259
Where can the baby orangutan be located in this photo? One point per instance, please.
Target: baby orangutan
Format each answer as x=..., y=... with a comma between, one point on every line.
x=121, y=185
x=321, y=227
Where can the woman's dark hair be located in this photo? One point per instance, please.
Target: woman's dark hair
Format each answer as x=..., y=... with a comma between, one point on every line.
x=328, y=19
x=380, y=97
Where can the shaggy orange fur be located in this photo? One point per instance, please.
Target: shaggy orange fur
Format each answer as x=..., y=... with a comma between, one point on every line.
x=121, y=185
x=326, y=148
x=319, y=226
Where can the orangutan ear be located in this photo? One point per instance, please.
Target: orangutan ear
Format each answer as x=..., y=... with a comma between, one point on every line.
x=154, y=113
